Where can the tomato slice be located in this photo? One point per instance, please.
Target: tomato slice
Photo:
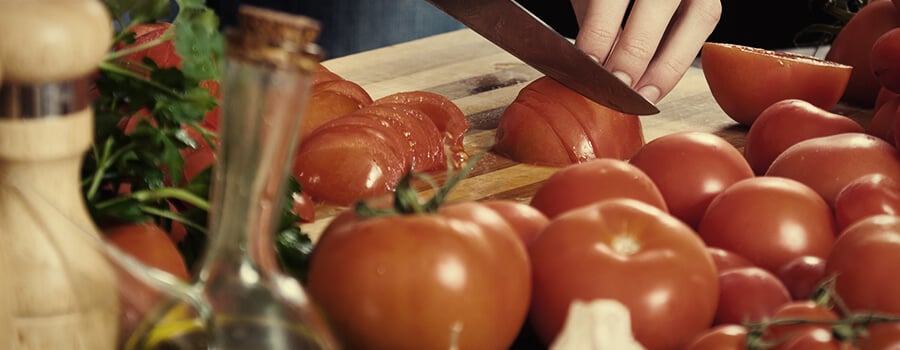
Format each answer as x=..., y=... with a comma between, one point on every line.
x=446, y=115
x=354, y=159
x=745, y=80
x=422, y=136
x=325, y=106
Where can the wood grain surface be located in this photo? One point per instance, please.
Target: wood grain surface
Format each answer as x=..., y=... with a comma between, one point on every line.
x=482, y=80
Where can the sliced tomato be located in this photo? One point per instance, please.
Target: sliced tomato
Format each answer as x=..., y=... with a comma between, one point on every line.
x=422, y=137
x=445, y=114
x=580, y=130
x=612, y=134
x=344, y=162
x=524, y=136
x=745, y=80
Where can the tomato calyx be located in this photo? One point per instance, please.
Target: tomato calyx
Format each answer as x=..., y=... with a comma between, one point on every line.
x=406, y=200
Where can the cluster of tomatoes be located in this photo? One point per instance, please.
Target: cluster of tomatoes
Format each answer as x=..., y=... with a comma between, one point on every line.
x=787, y=243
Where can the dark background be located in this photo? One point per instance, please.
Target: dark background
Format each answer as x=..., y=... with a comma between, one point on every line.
x=771, y=24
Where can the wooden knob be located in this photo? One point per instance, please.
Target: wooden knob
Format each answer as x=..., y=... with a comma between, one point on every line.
x=52, y=40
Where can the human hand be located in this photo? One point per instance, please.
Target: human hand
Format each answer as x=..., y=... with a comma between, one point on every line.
x=659, y=41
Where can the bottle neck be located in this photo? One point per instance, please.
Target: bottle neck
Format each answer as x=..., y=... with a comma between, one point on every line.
x=261, y=108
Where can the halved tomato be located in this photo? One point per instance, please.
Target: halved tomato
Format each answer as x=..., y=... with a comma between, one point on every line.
x=746, y=80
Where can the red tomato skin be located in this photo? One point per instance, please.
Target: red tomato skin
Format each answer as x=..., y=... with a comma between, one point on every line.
x=827, y=164
x=351, y=159
x=786, y=123
x=382, y=280
x=804, y=309
x=882, y=123
x=866, y=196
x=864, y=261
x=422, y=137
x=151, y=245
x=744, y=93
x=882, y=336
x=304, y=207
x=668, y=282
x=525, y=219
x=853, y=46
x=725, y=259
x=446, y=115
x=582, y=184
x=883, y=96
x=885, y=59
x=802, y=276
x=770, y=221
x=721, y=337
x=749, y=294
x=690, y=169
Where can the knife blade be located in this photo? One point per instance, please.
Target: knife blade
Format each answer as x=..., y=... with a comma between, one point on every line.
x=514, y=29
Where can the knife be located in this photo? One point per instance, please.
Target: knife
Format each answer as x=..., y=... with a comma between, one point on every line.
x=514, y=29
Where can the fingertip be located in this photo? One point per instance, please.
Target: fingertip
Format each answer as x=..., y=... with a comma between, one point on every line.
x=651, y=93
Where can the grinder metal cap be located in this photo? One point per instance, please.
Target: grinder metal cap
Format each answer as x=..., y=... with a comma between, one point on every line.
x=276, y=39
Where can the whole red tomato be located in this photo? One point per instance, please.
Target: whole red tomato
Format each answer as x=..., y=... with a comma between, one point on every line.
x=632, y=252
x=690, y=168
x=827, y=164
x=525, y=219
x=881, y=336
x=882, y=123
x=864, y=262
x=151, y=245
x=885, y=59
x=585, y=183
x=550, y=124
x=786, y=123
x=853, y=47
x=802, y=276
x=805, y=310
x=721, y=337
x=459, y=278
x=866, y=196
x=766, y=77
x=749, y=294
x=770, y=221
x=725, y=259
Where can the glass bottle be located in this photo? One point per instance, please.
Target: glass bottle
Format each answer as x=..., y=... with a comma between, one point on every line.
x=268, y=73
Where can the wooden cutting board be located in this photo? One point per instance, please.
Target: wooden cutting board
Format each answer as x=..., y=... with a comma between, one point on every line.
x=482, y=80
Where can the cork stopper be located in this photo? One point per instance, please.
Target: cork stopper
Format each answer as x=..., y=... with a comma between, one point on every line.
x=276, y=39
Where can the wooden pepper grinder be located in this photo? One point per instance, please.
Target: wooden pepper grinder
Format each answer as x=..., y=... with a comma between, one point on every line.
x=57, y=290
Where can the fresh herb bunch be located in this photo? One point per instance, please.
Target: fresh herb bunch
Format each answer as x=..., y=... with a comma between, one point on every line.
x=138, y=176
